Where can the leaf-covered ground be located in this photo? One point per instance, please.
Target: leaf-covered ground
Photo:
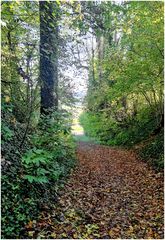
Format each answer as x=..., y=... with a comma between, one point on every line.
x=111, y=194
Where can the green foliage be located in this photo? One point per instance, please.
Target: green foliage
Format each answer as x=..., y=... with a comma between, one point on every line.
x=153, y=151
x=36, y=155
x=32, y=175
x=17, y=207
x=124, y=102
x=49, y=160
x=34, y=162
x=132, y=132
x=7, y=133
x=19, y=49
x=90, y=124
x=127, y=133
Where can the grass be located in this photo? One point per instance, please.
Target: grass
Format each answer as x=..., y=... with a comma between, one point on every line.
x=78, y=132
x=84, y=138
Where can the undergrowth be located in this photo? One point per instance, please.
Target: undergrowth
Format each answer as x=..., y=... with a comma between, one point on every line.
x=153, y=152
x=126, y=133
x=32, y=174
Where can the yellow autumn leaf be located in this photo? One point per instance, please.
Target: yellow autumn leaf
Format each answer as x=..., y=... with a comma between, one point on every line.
x=30, y=233
x=58, y=2
x=17, y=1
x=78, y=8
x=30, y=224
x=13, y=120
x=71, y=1
x=110, y=232
x=130, y=230
x=81, y=16
x=7, y=99
x=63, y=235
x=54, y=235
x=129, y=31
x=75, y=235
x=114, y=231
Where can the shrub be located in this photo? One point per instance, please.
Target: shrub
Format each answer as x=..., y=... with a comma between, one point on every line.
x=125, y=133
x=153, y=151
x=32, y=175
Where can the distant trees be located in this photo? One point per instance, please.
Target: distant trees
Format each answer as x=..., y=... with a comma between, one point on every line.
x=127, y=94
x=20, y=41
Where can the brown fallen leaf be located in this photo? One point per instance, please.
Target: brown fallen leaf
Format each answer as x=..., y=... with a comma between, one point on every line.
x=112, y=189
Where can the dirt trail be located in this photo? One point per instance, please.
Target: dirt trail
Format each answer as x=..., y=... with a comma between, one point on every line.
x=111, y=194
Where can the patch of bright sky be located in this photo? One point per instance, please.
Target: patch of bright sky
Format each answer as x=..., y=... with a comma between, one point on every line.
x=79, y=78
x=80, y=53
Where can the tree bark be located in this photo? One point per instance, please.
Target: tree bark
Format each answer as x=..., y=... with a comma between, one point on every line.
x=100, y=47
x=48, y=55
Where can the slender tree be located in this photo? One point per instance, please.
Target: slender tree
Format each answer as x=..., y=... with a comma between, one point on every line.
x=48, y=55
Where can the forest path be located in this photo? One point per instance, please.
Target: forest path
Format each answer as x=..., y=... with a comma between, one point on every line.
x=110, y=194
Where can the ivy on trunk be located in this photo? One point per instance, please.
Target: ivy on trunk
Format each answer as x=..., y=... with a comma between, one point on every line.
x=48, y=55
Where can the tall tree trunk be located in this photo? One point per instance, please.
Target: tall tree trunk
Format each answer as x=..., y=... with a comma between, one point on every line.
x=93, y=62
x=100, y=49
x=48, y=55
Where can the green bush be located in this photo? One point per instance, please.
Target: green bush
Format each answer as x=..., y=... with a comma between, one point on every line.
x=153, y=151
x=90, y=124
x=17, y=207
x=127, y=133
x=96, y=126
x=32, y=175
x=52, y=156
